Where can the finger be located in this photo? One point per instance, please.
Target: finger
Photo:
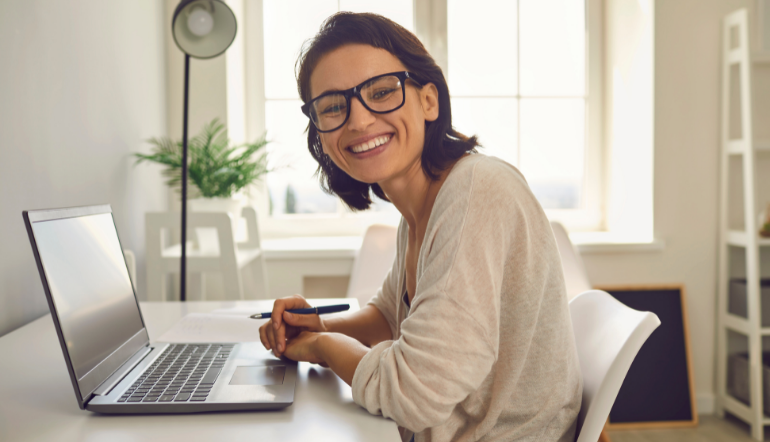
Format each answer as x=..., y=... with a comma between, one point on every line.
x=291, y=302
x=280, y=306
x=263, y=336
x=308, y=321
x=270, y=332
x=280, y=338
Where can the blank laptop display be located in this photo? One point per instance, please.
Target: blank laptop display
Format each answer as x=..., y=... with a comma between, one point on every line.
x=90, y=286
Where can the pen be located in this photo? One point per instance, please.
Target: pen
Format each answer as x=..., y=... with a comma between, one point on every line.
x=308, y=311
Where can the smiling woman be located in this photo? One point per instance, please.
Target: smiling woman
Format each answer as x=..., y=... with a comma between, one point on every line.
x=469, y=337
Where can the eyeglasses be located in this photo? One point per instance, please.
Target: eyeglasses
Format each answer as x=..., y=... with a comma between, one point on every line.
x=381, y=94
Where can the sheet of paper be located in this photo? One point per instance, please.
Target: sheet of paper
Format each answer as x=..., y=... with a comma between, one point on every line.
x=208, y=327
x=240, y=311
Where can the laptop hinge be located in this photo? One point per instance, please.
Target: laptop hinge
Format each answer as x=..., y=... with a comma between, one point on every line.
x=105, y=387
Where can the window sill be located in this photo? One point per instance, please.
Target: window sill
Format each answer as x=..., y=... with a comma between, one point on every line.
x=346, y=247
x=607, y=242
x=312, y=247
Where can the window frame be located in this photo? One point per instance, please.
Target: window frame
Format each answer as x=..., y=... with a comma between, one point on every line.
x=430, y=25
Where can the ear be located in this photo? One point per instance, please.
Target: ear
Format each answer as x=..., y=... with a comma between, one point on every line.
x=429, y=102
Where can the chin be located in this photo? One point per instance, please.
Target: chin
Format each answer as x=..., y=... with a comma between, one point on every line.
x=370, y=178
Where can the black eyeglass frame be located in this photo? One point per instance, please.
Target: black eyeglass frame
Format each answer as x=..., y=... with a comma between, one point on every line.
x=356, y=92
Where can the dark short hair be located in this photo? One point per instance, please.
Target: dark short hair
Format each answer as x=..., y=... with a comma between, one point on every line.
x=443, y=144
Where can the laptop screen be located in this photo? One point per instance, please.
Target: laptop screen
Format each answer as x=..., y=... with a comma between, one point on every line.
x=90, y=286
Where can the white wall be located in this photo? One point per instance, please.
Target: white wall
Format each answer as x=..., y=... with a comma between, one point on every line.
x=686, y=177
x=82, y=85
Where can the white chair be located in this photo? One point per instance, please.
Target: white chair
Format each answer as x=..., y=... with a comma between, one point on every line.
x=374, y=260
x=608, y=335
x=575, y=275
x=223, y=255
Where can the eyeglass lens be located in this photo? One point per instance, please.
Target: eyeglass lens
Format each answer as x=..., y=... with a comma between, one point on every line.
x=382, y=94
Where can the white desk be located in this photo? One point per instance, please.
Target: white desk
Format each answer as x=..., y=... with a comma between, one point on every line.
x=37, y=401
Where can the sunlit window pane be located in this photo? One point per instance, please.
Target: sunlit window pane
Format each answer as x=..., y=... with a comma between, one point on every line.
x=553, y=149
x=293, y=189
x=552, y=46
x=481, y=44
x=400, y=11
x=287, y=24
x=493, y=120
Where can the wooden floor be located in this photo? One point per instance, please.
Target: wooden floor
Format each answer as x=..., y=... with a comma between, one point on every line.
x=711, y=429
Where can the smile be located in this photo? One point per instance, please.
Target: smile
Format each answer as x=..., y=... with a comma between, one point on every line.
x=371, y=144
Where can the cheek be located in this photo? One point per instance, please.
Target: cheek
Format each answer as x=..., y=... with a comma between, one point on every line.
x=415, y=127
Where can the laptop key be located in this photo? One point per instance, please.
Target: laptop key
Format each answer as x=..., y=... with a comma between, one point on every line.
x=211, y=376
x=182, y=397
x=134, y=399
x=198, y=399
x=166, y=398
x=150, y=399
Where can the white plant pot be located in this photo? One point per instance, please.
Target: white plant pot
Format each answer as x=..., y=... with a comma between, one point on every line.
x=230, y=205
x=207, y=239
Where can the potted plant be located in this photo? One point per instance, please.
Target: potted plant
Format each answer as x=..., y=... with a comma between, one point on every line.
x=217, y=170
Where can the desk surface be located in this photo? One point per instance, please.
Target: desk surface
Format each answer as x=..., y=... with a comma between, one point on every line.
x=37, y=401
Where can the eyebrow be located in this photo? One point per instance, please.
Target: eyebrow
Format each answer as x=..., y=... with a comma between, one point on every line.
x=329, y=91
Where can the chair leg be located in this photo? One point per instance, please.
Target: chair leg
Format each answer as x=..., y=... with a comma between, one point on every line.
x=604, y=437
x=254, y=280
x=156, y=282
x=231, y=280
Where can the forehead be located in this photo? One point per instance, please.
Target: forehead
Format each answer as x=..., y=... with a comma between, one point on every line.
x=350, y=65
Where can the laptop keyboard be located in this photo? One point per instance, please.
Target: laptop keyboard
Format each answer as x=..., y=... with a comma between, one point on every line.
x=182, y=373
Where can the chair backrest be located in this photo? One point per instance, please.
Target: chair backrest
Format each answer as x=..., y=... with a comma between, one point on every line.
x=374, y=260
x=608, y=336
x=575, y=275
x=219, y=255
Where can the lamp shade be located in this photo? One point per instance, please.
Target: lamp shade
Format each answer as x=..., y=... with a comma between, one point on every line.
x=203, y=28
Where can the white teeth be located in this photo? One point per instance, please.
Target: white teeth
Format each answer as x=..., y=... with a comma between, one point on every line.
x=371, y=144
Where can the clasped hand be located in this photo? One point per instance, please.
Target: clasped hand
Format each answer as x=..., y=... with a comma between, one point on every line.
x=291, y=335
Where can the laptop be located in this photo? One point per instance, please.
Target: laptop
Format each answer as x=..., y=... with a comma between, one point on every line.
x=112, y=363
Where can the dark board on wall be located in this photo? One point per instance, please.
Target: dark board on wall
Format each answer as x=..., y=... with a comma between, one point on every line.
x=658, y=390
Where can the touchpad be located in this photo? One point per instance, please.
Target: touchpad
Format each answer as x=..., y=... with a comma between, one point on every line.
x=259, y=375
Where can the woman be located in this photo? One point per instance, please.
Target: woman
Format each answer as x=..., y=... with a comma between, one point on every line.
x=469, y=337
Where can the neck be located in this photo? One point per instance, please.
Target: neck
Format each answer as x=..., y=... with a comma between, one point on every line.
x=413, y=194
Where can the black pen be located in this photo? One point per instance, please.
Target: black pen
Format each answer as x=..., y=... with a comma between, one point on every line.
x=308, y=311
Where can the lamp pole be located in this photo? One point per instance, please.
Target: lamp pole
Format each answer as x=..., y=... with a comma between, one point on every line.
x=201, y=29
x=183, y=260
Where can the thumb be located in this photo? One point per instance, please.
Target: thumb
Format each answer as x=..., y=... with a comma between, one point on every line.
x=299, y=320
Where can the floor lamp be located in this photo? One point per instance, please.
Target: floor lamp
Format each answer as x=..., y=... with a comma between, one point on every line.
x=201, y=29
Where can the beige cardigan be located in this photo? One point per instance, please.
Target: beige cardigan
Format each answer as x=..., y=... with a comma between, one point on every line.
x=486, y=351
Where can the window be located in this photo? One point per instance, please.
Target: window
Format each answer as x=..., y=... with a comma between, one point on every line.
x=529, y=96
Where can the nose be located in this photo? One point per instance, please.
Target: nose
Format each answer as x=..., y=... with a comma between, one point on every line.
x=360, y=117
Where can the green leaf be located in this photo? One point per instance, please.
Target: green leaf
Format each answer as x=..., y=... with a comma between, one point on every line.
x=215, y=167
